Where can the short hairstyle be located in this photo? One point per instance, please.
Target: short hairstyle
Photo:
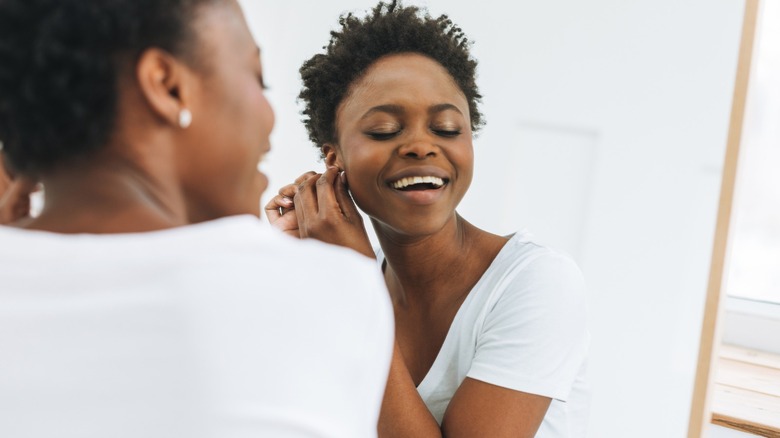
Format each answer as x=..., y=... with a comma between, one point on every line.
x=390, y=28
x=59, y=66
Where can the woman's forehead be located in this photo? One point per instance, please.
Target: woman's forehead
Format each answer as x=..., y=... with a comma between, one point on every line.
x=404, y=79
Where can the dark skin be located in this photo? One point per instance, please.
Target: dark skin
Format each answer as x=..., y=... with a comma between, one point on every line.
x=14, y=196
x=406, y=117
x=153, y=173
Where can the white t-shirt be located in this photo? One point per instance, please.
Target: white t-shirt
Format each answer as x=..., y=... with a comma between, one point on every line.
x=222, y=329
x=522, y=327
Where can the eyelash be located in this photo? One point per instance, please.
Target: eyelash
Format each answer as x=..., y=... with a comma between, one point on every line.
x=446, y=133
x=381, y=136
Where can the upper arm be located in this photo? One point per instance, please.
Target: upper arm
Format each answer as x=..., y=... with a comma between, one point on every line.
x=479, y=409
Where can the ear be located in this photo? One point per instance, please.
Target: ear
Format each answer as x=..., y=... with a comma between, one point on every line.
x=165, y=82
x=332, y=156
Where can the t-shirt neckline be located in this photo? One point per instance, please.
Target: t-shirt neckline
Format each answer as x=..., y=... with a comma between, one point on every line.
x=436, y=371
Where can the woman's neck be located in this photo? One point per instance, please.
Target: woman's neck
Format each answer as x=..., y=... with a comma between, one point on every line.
x=110, y=195
x=439, y=266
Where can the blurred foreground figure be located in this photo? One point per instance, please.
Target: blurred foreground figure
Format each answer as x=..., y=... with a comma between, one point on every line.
x=132, y=305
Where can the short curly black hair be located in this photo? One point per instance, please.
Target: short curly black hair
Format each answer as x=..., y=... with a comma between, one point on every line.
x=389, y=28
x=59, y=67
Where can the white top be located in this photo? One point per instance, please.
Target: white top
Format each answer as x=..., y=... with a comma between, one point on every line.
x=222, y=329
x=523, y=327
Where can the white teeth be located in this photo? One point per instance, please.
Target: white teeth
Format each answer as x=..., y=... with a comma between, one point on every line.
x=406, y=182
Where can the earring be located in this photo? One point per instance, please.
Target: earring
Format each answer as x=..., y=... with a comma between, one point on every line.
x=185, y=118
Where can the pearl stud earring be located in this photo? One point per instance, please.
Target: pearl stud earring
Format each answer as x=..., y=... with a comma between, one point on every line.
x=185, y=118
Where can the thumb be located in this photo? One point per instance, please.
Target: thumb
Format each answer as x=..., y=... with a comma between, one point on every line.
x=15, y=202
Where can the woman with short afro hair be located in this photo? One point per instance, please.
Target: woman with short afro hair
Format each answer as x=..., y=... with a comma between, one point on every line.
x=491, y=337
x=360, y=42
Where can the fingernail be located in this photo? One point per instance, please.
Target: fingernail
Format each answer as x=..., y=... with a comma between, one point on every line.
x=287, y=200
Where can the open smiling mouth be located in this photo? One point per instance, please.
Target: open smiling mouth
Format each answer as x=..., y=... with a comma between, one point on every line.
x=414, y=183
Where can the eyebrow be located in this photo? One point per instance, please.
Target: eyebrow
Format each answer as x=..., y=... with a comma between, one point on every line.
x=443, y=107
x=390, y=109
x=398, y=109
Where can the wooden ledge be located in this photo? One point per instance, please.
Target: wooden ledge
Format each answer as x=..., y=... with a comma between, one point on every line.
x=747, y=391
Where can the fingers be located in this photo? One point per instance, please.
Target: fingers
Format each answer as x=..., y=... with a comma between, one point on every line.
x=277, y=207
x=5, y=178
x=283, y=203
x=305, y=201
x=345, y=199
x=326, y=196
x=325, y=211
x=15, y=201
x=289, y=190
x=280, y=210
x=303, y=177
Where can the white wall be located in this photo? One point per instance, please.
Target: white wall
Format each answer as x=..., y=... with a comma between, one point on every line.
x=724, y=432
x=607, y=122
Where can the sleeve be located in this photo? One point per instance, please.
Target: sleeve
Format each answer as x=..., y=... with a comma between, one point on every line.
x=535, y=339
x=375, y=342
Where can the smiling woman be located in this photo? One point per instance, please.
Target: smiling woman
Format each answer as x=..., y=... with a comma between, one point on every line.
x=491, y=335
x=423, y=134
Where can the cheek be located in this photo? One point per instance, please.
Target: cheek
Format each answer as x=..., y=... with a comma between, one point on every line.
x=356, y=160
x=238, y=122
x=247, y=124
x=365, y=199
x=464, y=159
x=361, y=182
x=362, y=166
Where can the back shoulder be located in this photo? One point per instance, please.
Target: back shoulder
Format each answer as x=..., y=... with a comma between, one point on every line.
x=530, y=269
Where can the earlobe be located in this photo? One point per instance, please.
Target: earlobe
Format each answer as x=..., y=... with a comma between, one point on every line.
x=332, y=156
x=162, y=80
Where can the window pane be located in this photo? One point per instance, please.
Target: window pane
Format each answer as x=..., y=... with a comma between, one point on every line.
x=754, y=266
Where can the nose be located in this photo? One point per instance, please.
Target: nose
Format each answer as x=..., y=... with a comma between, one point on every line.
x=418, y=148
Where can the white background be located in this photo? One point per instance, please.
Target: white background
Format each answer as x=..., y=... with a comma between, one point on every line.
x=606, y=128
x=755, y=232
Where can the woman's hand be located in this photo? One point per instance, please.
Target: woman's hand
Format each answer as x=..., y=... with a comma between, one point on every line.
x=326, y=212
x=14, y=196
x=280, y=210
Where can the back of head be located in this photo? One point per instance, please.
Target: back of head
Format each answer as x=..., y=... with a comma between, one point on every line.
x=60, y=65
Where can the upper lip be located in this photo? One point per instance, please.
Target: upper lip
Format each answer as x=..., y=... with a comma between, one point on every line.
x=418, y=171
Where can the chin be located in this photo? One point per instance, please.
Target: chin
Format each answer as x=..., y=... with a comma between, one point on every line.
x=261, y=184
x=248, y=200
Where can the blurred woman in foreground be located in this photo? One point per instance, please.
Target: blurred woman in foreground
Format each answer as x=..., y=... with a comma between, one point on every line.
x=133, y=304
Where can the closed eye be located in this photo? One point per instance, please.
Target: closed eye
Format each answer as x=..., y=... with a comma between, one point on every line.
x=382, y=135
x=446, y=133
